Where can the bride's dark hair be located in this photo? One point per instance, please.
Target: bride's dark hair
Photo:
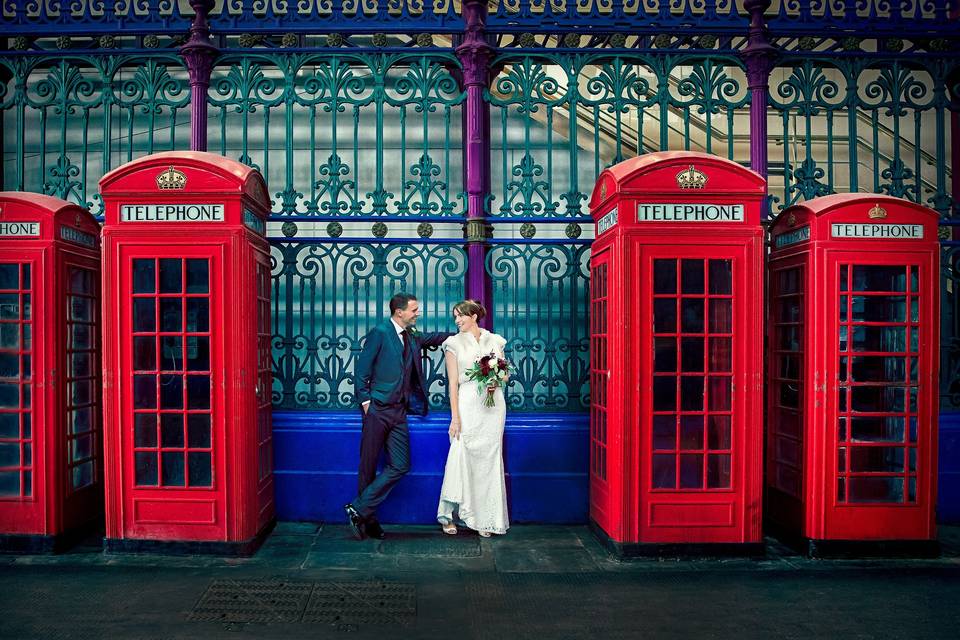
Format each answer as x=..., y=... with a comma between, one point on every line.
x=470, y=308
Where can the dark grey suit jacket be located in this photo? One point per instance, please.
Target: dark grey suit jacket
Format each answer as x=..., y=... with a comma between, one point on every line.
x=379, y=367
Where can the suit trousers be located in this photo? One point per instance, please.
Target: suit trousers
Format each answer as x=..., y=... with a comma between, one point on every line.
x=384, y=428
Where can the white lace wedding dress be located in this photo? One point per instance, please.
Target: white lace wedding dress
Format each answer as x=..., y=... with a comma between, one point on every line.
x=474, y=491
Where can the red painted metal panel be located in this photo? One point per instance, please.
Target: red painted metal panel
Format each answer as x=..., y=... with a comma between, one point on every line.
x=680, y=236
x=50, y=451
x=185, y=298
x=869, y=347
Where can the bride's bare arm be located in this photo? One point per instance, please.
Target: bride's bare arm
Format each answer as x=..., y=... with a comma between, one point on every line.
x=453, y=382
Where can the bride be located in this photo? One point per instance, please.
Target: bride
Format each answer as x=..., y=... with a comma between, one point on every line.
x=473, y=491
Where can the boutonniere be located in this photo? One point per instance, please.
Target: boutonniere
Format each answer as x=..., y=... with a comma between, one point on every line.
x=412, y=331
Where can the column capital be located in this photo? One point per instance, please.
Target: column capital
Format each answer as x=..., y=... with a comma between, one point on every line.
x=475, y=52
x=199, y=51
x=199, y=54
x=759, y=63
x=199, y=62
x=759, y=54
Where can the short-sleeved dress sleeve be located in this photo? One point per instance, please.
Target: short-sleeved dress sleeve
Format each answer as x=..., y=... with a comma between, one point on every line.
x=449, y=345
x=499, y=342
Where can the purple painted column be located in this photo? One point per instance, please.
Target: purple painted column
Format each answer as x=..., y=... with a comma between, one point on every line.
x=758, y=56
x=475, y=55
x=199, y=54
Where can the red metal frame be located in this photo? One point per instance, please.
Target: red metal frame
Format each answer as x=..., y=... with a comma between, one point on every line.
x=167, y=479
x=683, y=486
x=830, y=507
x=785, y=443
x=58, y=457
x=148, y=508
x=600, y=382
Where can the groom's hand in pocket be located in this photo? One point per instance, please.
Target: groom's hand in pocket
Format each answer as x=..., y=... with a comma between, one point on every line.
x=454, y=430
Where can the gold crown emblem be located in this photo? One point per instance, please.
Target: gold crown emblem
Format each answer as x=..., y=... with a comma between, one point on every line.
x=691, y=179
x=791, y=219
x=603, y=190
x=877, y=212
x=171, y=179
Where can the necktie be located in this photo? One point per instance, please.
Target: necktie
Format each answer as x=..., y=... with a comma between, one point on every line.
x=406, y=342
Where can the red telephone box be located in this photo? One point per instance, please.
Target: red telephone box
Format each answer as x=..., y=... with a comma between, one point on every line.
x=187, y=384
x=50, y=475
x=676, y=344
x=853, y=362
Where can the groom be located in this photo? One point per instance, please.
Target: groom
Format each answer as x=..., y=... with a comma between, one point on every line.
x=388, y=384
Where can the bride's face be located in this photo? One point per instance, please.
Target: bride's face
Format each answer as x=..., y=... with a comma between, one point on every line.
x=464, y=323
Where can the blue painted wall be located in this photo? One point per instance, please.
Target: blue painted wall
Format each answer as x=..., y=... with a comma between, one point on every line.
x=948, y=489
x=316, y=456
x=547, y=459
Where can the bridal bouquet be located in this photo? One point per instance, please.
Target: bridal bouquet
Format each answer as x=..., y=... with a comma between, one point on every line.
x=489, y=372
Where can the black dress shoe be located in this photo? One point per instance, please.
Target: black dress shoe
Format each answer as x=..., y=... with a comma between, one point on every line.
x=355, y=520
x=374, y=530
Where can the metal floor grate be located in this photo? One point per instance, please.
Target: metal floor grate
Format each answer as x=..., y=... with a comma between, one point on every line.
x=335, y=603
x=253, y=601
x=362, y=603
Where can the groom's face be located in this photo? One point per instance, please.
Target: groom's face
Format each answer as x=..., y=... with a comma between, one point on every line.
x=408, y=317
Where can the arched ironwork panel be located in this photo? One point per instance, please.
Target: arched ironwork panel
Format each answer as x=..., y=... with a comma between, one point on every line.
x=860, y=124
x=77, y=117
x=327, y=296
x=344, y=135
x=541, y=306
x=559, y=119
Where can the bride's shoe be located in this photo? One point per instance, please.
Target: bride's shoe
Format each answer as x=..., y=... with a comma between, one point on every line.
x=449, y=529
x=484, y=534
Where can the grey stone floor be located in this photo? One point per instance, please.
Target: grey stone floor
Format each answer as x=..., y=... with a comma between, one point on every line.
x=313, y=581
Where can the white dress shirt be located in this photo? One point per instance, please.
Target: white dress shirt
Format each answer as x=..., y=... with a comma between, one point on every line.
x=399, y=330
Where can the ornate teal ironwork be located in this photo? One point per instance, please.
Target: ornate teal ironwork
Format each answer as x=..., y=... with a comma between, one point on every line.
x=86, y=115
x=617, y=86
x=527, y=194
x=326, y=296
x=807, y=181
x=543, y=102
x=711, y=90
x=807, y=92
x=333, y=110
x=60, y=181
x=421, y=193
x=898, y=175
x=332, y=187
x=864, y=123
x=541, y=307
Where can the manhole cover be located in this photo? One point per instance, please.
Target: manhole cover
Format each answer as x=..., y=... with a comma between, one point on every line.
x=362, y=603
x=253, y=601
